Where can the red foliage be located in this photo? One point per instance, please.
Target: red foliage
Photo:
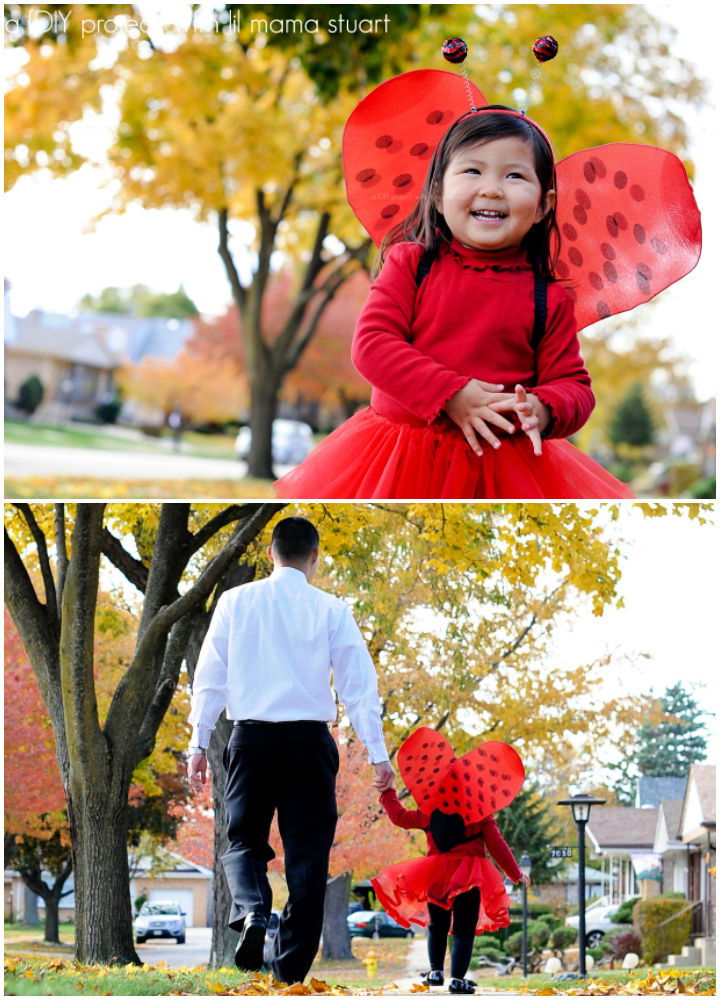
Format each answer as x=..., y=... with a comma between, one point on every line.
x=32, y=778
x=325, y=373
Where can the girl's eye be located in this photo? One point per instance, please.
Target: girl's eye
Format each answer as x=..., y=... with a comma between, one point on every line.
x=515, y=173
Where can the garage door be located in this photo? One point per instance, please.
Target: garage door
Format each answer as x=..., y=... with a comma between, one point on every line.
x=182, y=896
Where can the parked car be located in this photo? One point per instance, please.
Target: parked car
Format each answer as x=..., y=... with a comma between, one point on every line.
x=292, y=441
x=597, y=923
x=373, y=923
x=160, y=919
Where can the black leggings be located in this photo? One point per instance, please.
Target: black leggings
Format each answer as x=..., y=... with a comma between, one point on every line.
x=464, y=915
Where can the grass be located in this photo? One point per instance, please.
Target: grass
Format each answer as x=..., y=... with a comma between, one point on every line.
x=620, y=977
x=83, y=488
x=25, y=938
x=116, y=439
x=54, y=973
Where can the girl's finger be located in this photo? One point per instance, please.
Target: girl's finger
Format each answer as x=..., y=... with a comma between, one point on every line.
x=485, y=432
x=471, y=438
x=494, y=418
x=536, y=440
x=506, y=403
x=489, y=386
x=520, y=394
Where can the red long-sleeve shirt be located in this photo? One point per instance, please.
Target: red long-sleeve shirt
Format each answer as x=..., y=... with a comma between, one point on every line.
x=415, y=819
x=419, y=346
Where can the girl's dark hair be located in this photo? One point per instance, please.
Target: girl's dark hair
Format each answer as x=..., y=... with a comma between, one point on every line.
x=426, y=224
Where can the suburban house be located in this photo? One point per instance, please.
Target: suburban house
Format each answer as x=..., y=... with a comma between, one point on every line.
x=173, y=878
x=75, y=357
x=623, y=838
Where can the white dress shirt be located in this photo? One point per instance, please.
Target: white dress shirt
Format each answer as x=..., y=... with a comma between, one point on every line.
x=268, y=654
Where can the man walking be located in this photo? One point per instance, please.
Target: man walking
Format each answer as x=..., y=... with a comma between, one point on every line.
x=267, y=659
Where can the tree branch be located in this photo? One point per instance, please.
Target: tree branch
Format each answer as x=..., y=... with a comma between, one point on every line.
x=134, y=570
x=61, y=556
x=44, y=559
x=232, y=513
x=239, y=292
x=137, y=689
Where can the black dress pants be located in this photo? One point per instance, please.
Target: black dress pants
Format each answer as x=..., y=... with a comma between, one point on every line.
x=288, y=767
x=464, y=913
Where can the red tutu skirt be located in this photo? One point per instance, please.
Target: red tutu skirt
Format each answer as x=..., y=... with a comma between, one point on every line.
x=405, y=889
x=373, y=457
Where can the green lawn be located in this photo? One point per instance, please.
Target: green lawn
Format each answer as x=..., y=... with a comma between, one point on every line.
x=118, y=439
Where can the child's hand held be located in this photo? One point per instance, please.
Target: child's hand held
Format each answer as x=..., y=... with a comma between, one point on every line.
x=470, y=408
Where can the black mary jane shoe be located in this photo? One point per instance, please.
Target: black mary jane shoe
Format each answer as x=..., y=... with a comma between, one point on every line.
x=249, y=951
x=434, y=977
x=461, y=986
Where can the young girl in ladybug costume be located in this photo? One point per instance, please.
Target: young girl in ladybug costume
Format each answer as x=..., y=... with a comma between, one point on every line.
x=469, y=333
x=455, y=883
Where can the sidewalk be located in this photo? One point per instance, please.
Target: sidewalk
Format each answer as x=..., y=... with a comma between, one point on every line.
x=417, y=962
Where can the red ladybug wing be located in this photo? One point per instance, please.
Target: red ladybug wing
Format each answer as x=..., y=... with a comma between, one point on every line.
x=481, y=782
x=390, y=138
x=629, y=227
x=424, y=759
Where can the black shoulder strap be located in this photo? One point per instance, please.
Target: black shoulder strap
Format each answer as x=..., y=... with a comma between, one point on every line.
x=423, y=268
x=541, y=287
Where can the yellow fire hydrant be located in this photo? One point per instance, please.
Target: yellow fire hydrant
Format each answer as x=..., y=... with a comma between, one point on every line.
x=371, y=964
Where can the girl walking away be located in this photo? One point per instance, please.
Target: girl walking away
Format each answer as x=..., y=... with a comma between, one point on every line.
x=469, y=333
x=454, y=885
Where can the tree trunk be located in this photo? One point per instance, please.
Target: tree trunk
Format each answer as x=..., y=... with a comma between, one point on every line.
x=224, y=939
x=263, y=406
x=335, y=934
x=31, y=916
x=52, y=919
x=103, y=911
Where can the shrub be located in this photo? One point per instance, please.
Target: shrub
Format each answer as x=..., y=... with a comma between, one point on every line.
x=561, y=938
x=624, y=942
x=623, y=914
x=538, y=935
x=704, y=489
x=491, y=954
x=30, y=394
x=661, y=926
x=109, y=411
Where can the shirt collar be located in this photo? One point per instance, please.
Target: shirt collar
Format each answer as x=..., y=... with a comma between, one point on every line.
x=289, y=573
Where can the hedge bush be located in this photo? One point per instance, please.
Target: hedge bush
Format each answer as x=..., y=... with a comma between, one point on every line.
x=624, y=942
x=659, y=939
x=30, y=394
x=624, y=912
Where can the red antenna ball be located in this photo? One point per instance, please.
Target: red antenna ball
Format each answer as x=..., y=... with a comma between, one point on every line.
x=545, y=48
x=455, y=50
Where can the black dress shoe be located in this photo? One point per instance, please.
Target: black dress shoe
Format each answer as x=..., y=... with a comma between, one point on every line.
x=249, y=952
x=461, y=986
x=434, y=977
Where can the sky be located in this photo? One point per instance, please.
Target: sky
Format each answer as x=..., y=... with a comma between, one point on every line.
x=670, y=592
x=51, y=266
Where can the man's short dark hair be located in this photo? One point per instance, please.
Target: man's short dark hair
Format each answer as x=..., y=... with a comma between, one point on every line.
x=294, y=539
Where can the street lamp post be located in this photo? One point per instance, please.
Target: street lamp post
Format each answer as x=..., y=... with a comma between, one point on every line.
x=581, y=805
x=525, y=867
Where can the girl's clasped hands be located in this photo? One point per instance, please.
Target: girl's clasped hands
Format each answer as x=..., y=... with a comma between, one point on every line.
x=478, y=406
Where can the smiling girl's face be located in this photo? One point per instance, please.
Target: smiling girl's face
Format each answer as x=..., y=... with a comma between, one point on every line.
x=491, y=196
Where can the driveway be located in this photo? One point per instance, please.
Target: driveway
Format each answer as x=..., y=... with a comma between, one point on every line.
x=195, y=951
x=22, y=462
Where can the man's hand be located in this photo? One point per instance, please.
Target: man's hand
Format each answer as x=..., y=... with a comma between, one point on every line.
x=197, y=770
x=475, y=406
x=384, y=776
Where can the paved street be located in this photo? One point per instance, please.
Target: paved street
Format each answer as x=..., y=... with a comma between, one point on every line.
x=22, y=462
x=195, y=951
